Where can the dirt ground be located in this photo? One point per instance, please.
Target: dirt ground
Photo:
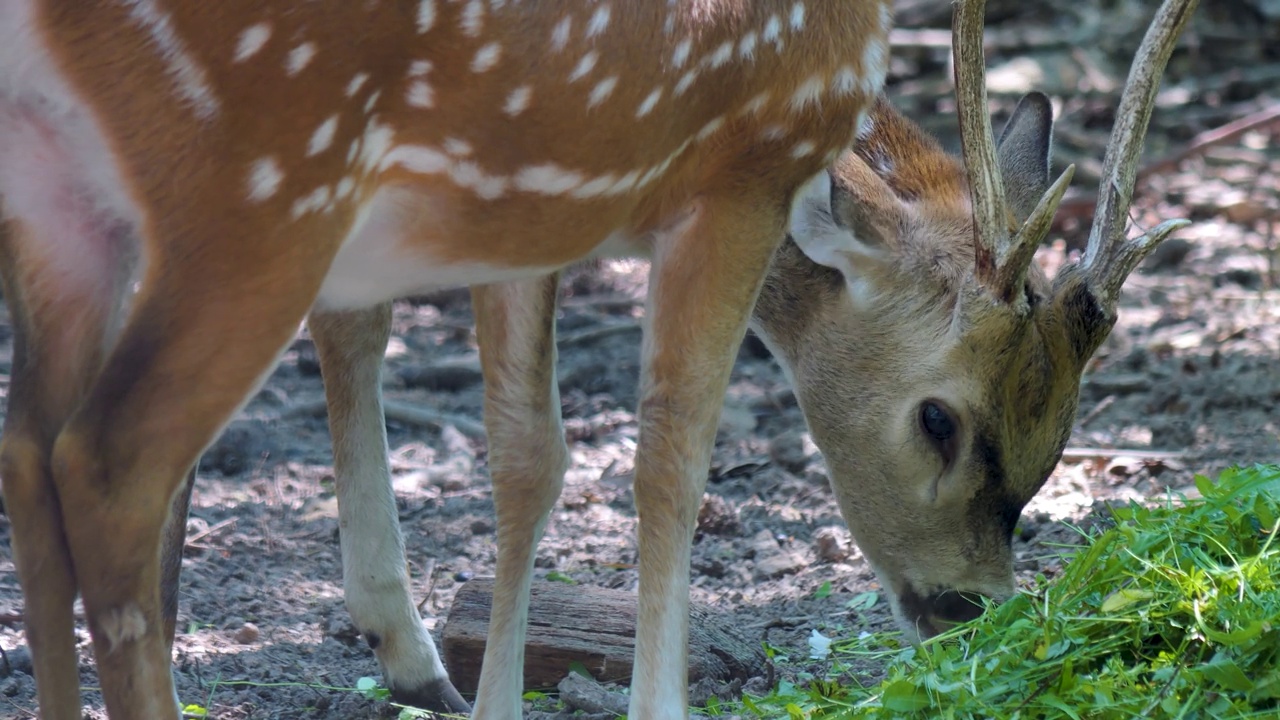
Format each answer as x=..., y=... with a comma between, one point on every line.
x=1186, y=383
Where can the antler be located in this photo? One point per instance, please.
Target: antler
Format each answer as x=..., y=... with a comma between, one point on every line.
x=1110, y=257
x=1000, y=260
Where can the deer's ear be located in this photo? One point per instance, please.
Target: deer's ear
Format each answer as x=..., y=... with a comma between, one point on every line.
x=1024, y=150
x=847, y=216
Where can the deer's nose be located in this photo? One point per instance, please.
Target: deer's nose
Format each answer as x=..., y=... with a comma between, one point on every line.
x=934, y=613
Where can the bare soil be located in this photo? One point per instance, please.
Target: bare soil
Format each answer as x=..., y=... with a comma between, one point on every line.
x=1186, y=384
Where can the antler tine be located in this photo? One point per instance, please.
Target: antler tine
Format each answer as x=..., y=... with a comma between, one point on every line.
x=1110, y=257
x=986, y=187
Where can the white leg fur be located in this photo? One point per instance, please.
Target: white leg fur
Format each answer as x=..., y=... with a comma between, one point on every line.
x=515, y=325
x=351, y=346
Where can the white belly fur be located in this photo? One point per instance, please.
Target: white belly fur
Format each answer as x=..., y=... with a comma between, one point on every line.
x=377, y=262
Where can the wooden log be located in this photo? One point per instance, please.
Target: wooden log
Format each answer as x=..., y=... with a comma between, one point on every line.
x=590, y=625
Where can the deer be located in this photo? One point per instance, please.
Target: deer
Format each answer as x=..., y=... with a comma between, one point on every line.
x=184, y=184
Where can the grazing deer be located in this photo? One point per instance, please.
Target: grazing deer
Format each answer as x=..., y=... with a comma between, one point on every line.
x=279, y=161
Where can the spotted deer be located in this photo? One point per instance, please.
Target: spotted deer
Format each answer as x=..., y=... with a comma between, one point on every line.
x=184, y=183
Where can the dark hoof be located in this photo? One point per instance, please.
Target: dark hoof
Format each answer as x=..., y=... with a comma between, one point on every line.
x=439, y=696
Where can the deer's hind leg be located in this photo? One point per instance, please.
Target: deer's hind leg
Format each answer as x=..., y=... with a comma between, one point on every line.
x=64, y=275
x=204, y=332
x=375, y=583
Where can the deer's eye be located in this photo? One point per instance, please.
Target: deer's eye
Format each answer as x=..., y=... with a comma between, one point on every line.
x=939, y=426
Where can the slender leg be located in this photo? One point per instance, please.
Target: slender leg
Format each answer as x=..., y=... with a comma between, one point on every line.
x=60, y=330
x=171, y=547
x=515, y=326
x=705, y=276
x=351, y=346
x=202, y=336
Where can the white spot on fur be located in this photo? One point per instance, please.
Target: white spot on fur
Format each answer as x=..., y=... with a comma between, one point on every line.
x=375, y=144
x=123, y=625
x=518, y=100
x=345, y=188
x=845, y=81
x=357, y=81
x=416, y=159
x=596, y=187
x=875, y=64
x=584, y=66
x=710, y=128
x=560, y=34
x=372, y=101
x=797, y=16
x=190, y=78
x=747, y=45
x=472, y=19
x=599, y=21
x=756, y=104
x=650, y=101
x=314, y=201
x=681, y=54
x=265, y=177
x=602, y=91
x=773, y=132
x=685, y=82
x=299, y=58
x=772, y=30
x=457, y=147
x=808, y=93
x=420, y=94
x=251, y=41
x=426, y=15
x=547, y=179
x=322, y=138
x=626, y=183
x=721, y=55
x=469, y=175
x=802, y=149
x=419, y=68
x=486, y=57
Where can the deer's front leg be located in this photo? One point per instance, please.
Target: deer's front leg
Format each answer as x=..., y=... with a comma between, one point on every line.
x=375, y=583
x=706, y=273
x=515, y=326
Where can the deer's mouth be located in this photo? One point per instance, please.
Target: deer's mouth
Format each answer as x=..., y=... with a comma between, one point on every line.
x=933, y=613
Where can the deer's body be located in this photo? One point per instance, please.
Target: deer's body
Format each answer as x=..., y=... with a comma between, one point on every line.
x=274, y=157
x=250, y=163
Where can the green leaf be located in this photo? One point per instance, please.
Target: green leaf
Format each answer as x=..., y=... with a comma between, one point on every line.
x=1205, y=486
x=1123, y=598
x=577, y=667
x=557, y=576
x=864, y=601
x=1226, y=673
x=903, y=696
x=823, y=591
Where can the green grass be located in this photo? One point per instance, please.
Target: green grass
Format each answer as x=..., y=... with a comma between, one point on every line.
x=1172, y=613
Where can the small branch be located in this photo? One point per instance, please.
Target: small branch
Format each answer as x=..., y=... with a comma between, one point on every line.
x=211, y=530
x=1085, y=453
x=405, y=413
x=1084, y=206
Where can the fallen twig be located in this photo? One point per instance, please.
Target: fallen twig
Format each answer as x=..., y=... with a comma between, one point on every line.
x=1084, y=206
x=403, y=412
x=1084, y=453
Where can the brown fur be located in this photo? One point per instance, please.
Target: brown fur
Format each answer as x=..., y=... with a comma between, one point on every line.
x=107, y=438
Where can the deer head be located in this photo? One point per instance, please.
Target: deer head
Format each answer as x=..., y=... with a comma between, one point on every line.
x=938, y=367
